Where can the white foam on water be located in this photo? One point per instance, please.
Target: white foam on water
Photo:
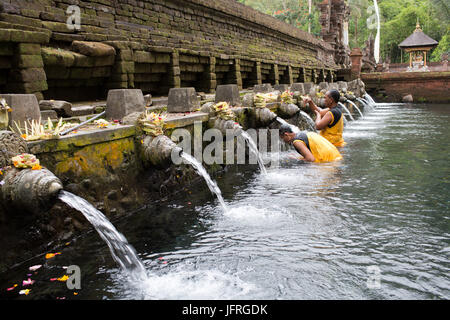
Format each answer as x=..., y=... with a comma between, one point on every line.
x=359, y=134
x=251, y=215
x=290, y=177
x=179, y=284
x=366, y=128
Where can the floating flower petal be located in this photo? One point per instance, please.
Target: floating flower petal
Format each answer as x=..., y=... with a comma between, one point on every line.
x=34, y=268
x=25, y=292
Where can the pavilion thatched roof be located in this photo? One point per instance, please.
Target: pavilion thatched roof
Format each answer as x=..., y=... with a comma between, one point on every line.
x=418, y=39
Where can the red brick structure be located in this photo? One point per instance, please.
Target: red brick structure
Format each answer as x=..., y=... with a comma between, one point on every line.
x=423, y=86
x=356, y=63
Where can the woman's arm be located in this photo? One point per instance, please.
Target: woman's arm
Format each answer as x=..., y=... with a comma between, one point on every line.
x=304, y=151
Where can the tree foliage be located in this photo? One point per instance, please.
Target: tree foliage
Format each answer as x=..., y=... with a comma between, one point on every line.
x=398, y=21
x=293, y=12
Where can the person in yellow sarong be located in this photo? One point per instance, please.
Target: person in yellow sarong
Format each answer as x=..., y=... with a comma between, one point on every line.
x=330, y=121
x=312, y=146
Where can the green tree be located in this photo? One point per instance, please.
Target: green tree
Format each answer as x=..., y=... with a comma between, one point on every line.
x=398, y=20
x=293, y=12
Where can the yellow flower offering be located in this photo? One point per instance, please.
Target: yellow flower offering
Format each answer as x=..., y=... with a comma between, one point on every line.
x=102, y=123
x=153, y=123
x=25, y=160
x=287, y=97
x=223, y=111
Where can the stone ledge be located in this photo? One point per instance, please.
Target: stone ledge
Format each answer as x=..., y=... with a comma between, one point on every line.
x=179, y=120
x=81, y=139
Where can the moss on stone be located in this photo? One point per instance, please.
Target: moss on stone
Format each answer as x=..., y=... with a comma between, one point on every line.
x=57, y=57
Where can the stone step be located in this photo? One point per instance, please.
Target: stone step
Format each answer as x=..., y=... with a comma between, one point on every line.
x=45, y=114
x=81, y=111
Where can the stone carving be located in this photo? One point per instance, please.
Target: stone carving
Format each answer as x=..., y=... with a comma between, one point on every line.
x=263, y=116
x=368, y=58
x=334, y=14
x=11, y=144
x=30, y=189
x=288, y=110
x=158, y=150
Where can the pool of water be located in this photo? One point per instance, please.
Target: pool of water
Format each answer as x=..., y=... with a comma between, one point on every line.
x=372, y=226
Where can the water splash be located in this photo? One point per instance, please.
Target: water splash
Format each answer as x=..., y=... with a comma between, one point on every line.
x=295, y=129
x=355, y=106
x=254, y=148
x=365, y=103
x=212, y=185
x=309, y=120
x=368, y=97
x=346, y=110
x=122, y=252
x=183, y=283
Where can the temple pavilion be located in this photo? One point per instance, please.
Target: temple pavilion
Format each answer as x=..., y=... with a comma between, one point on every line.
x=418, y=44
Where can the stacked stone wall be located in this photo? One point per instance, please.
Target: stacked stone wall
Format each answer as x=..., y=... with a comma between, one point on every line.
x=157, y=44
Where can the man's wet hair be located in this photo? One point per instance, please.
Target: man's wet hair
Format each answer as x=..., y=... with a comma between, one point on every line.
x=335, y=95
x=285, y=128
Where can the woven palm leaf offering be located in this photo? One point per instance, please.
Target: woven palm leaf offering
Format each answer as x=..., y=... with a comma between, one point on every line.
x=35, y=130
x=262, y=99
x=223, y=111
x=287, y=97
x=153, y=123
x=26, y=160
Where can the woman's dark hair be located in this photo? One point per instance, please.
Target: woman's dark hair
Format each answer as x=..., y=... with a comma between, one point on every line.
x=335, y=95
x=285, y=128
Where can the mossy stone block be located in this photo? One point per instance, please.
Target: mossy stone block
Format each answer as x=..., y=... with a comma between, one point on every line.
x=57, y=57
x=5, y=35
x=29, y=36
x=28, y=61
x=29, y=48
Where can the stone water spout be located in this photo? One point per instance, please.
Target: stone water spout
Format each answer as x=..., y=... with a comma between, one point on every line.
x=158, y=150
x=288, y=110
x=30, y=189
x=24, y=188
x=263, y=116
x=224, y=125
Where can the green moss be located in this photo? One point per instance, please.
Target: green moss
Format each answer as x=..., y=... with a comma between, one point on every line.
x=57, y=57
x=421, y=99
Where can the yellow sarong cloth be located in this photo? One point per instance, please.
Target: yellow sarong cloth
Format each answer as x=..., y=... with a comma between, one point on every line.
x=334, y=134
x=322, y=149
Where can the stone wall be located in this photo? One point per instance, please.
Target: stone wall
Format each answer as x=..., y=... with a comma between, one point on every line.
x=156, y=45
x=432, y=87
x=334, y=16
